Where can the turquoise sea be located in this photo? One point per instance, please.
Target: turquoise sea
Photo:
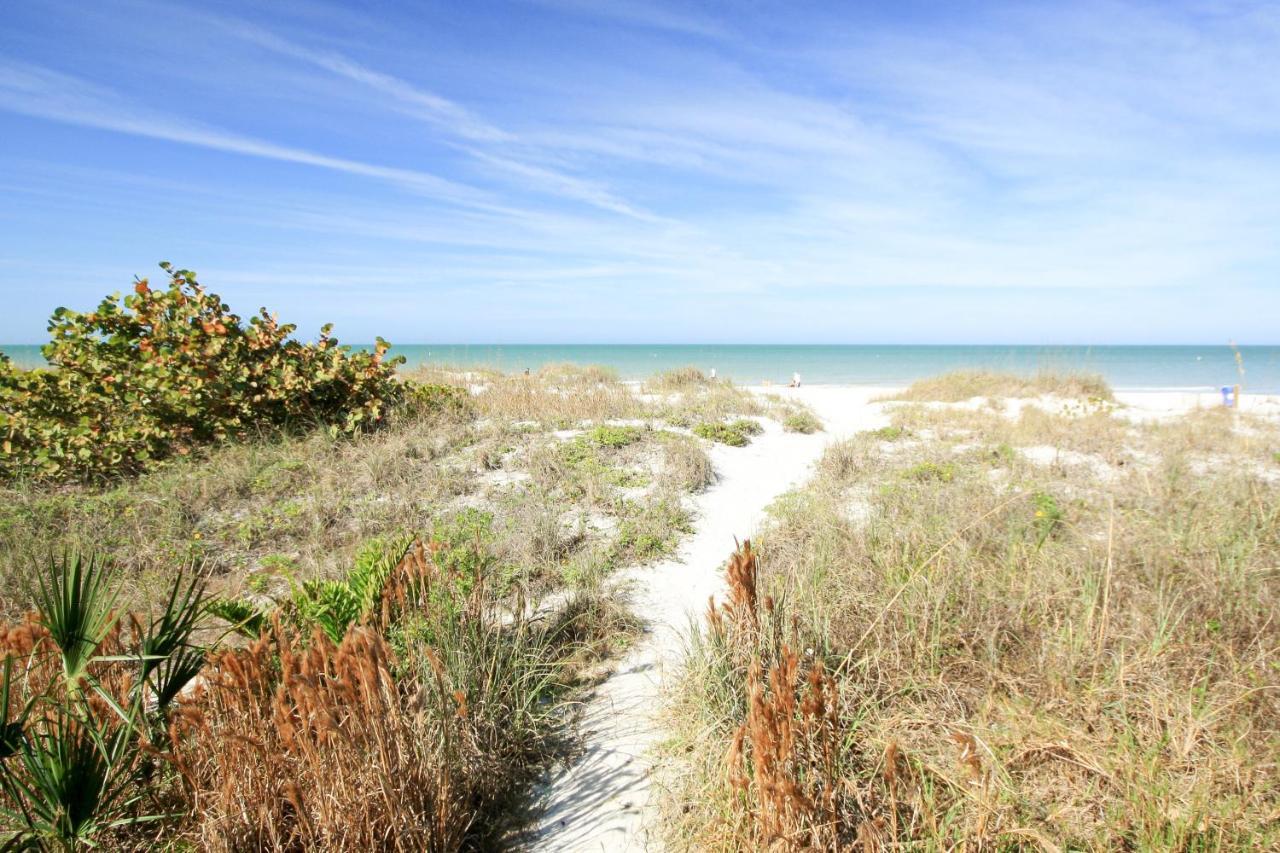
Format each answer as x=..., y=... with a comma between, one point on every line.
x=1126, y=367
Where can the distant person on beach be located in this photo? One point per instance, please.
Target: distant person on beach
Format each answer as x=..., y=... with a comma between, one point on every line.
x=795, y=381
x=713, y=374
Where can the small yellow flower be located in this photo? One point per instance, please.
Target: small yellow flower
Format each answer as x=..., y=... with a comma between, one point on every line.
x=1039, y=513
x=197, y=535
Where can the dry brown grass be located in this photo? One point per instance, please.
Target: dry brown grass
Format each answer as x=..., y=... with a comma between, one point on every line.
x=557, y=396
x=292, y=745
x=685, y=465
x=285, y=507
x=1085, y=429
x=1024, y=656
x=966, y=384
x=677, y=380
x=414, y=732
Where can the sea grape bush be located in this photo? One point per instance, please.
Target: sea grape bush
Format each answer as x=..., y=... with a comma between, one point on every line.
x=159, y=372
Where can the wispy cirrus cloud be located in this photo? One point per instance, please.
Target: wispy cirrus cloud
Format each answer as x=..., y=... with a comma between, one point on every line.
x=500, y=147
x=38, y=91
x=650, y=15
x=414, y=100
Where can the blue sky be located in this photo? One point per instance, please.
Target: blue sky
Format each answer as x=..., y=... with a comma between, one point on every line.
x=630, y=171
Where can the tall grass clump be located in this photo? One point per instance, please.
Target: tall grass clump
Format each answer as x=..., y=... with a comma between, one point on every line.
x=686, y=466
x=556, y=396
x=1005, y=657
x=676, y=380
x=966, y=384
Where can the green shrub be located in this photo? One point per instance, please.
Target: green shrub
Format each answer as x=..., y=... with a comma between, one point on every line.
x=463, y=547
x=160, y=372
x=735, y=433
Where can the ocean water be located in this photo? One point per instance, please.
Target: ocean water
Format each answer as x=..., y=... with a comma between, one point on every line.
x=1125, y=367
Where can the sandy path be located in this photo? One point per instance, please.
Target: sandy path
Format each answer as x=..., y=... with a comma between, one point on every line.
x=602, y=800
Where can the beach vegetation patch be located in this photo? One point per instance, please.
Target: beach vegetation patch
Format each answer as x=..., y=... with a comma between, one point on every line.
x=649, y=529
x=614, y=436
x=736, y=433
x=935, y=472
x=1068, y=656
x=685, y=465
x=802, y=422
x=963, y=385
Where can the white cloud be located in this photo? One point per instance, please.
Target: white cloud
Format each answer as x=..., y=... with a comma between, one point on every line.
x=418, y=102
x=37, y=91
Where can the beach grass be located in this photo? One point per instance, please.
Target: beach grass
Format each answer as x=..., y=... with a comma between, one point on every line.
x=966, y=384
x=958, y=640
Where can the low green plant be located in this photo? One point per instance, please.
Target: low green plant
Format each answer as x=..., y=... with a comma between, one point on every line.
x=163, y=372
x=584, y=460
x=940, y=472
x=1003, y=453
x=243, y=616
x=735, y=433
x=333, y=606
x=613, y=436
x=1047, y=515
x=278, y=564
